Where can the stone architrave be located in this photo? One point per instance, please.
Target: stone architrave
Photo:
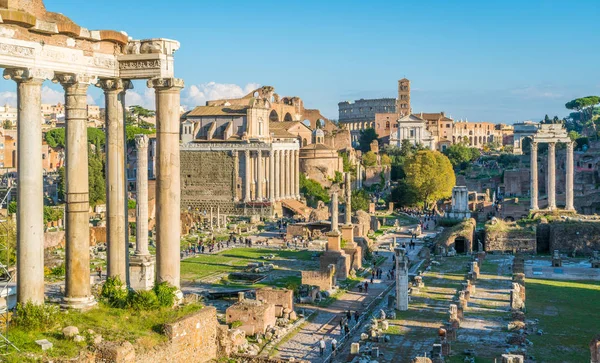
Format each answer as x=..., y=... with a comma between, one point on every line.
x=402, y=264
x=534, y=177
x=142, y=264
x=168, y=189
x=116, y=192
x=30, y=191
x=78, y=294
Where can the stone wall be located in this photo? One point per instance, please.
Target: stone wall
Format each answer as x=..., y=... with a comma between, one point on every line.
x=583, y=237
x=281, y=298
x=54, y=239
x=373, y=174
x=512, y=239
x=200, y=188
x=324, y=280
x=192, y=338
x=465, y=231
x=255, y=316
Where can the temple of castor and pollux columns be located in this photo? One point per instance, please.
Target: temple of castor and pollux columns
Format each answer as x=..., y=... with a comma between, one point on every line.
x=38, y=46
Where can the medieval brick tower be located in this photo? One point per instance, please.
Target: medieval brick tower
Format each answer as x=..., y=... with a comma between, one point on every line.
x=403, y=101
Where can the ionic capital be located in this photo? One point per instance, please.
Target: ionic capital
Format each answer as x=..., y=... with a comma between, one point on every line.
x=70, y=79
x=165, y=83
x=114, y=84
x=551, y=145
x=534, y=146
x=20, y=75
x=141, y=141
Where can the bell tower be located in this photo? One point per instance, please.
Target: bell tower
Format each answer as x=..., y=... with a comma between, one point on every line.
x=403, y=101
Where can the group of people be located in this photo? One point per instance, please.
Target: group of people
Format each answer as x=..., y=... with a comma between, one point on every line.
x=344, y=331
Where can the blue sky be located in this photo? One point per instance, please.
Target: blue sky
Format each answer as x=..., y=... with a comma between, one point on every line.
x=499, y=61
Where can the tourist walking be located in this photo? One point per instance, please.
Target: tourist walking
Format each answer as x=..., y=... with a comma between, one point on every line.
x=348, y=315
x=333, y=346
x=346, y=329
x=322, y=346
x=356, y=315
x=367, y=287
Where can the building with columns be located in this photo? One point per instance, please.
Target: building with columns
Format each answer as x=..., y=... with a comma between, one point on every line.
x=413, y=129
x=233, y=160
x=38, y=46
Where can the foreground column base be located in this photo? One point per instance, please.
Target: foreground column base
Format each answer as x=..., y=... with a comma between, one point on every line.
x=142, y=272
x=78, y=303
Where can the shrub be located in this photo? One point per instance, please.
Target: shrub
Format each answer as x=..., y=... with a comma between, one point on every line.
x=144, y=300
x=165, y=294
x=236, y=324
x=448, y=222
x=114, y=293
x=30, y=316
x=58, y=270
x=131, y=204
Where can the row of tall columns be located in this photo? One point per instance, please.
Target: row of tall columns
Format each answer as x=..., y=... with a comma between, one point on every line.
x=551, y=179
x=279, y=169
x=30, y=239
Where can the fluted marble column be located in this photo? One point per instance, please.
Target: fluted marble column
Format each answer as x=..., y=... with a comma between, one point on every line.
x=288, y=174
x=168, y=183
x=259, y=175
x=271, y=176
x=78, y=292
x=569, y=176
x=247, y=175
x=334, y=212
x=348, y=214
x=534, y=177
x=116, y=192
x=141, y=205
x=30, y=190
x=551, y=176
x=277, y=180
x=297, y=174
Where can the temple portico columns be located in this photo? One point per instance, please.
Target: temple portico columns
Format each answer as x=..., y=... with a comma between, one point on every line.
x=534, y=177
x=297, y=174
x=551, y=175
x=288, y=174
x=348, y=213
x=116, y=192
x=259, y=175
x=271, y=176
x=77, y=286
x=141, y=180
x=30, y=191
x=277, y=179
x=282, y=174
x=247, y=175
x=168, y=185
x=569, y=176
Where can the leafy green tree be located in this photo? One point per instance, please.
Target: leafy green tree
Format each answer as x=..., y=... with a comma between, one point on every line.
x=140, y=112
x=131, y=131
x=96, y=136
x=366, y=138
x=96, y=178
x=52, y=214
x=131, y=204
x=386, y=160
x=61, y=183
x=403, y=195
x=56, y=137
x=574, y=135
x=430, y=175
x=12, y=207
x=460, y=155
x=312, y=191
x=360, y=200
x=370, y=159
x=7, y=125
x=585, y=106
x=348, y=167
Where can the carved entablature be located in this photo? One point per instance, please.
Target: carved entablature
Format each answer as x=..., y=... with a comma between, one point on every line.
x=148, y=58
x=152, y=46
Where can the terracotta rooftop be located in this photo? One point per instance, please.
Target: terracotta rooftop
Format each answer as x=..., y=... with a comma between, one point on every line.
x=218, y=111
x=279, y=129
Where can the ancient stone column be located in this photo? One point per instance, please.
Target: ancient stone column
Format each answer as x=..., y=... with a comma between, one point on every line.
x=30, y=190
x=402, y=265
x=212, y=218
x=297, y=174
x=141, y=186
x=78, y=293
x=569, y=182
x=552, y=176
x=168, y=190
x=348, y=200
x=116, y=193
x=142, y=264
x=277, y=179
x=271, y=176
x=534, y=177
x=259, y=175
x=334, y=212
x=247, y=175
x=218, y=217
x=282, y=166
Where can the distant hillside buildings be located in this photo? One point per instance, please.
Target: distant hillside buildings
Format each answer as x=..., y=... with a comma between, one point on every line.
x=394, y=121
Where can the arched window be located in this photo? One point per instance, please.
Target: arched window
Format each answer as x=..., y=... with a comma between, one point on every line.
x=273, y=116
x=288, y=117
x=387, y=124
x=304, y=142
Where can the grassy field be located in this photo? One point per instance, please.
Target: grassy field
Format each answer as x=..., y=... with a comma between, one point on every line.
x=144, y=329
x=568, y=315
x=234, y=260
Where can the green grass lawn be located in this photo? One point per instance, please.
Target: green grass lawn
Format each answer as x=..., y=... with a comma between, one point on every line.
x=143, y=328
x=233, y=260
x=568, y=315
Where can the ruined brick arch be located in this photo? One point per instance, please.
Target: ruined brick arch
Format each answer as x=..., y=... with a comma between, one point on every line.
x=273, y=116
x=288, y=117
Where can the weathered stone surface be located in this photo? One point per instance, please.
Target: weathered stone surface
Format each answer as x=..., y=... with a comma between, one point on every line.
x=115, y=352
x=44, y=344
x=70, y=331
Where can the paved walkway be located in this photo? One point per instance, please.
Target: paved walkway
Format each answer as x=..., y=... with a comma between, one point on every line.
x=304, y=344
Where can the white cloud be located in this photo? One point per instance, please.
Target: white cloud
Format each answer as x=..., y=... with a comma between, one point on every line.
x=91, y=100
x=52, y=96
x=197, y=95
x=146, y=99
x=8, y=97
x=543, y=92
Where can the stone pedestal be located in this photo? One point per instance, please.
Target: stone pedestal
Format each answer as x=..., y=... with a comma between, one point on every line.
x=348, y=232
x=334, y=241
x=402, y=264
x=142, y=272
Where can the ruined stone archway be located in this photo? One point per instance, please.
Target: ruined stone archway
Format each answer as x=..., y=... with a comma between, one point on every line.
x=288, y=117
x=273, y=116
x=460, y=244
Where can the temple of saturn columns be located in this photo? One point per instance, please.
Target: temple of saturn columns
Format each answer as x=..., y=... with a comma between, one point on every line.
x=38, y=46
x=551, y=134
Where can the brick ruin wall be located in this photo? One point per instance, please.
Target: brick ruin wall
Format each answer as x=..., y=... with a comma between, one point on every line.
x=511, y=240
x=281, y=298
x=322, y=279
x=193, y=338
x=583, y=237
x=208, y=179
